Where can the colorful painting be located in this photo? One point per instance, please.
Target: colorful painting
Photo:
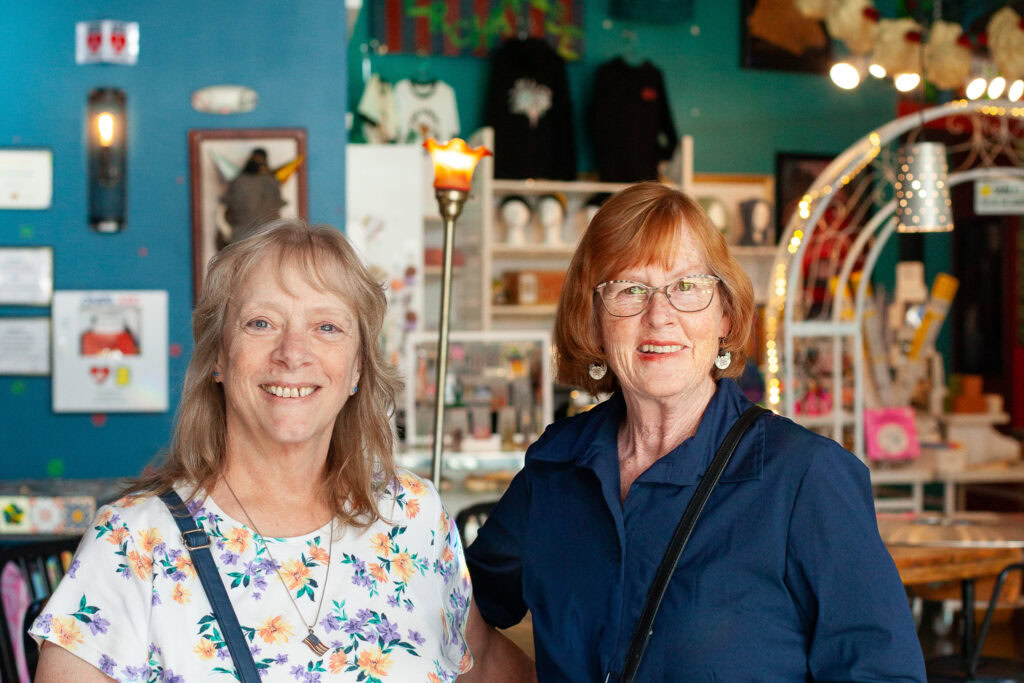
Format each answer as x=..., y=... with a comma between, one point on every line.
x=473, y=27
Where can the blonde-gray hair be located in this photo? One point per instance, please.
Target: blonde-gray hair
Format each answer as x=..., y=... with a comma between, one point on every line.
x=360, y=455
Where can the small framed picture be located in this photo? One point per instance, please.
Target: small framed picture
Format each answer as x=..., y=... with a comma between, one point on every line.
x=240, y=179
x=26, y=276
x=110, y=351
x=794, y=174
x=24, y=346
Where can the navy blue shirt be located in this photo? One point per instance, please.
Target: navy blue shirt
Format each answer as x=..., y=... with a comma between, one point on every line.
x=784, y=577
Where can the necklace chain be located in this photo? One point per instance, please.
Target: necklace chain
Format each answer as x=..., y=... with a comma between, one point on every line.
x=312, y=641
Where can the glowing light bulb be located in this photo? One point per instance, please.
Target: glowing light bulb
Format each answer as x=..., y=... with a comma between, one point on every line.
x=976, y=88
x=877, y=70
x=996, y=87
x=105, y=128
x=1015, y=91
x=907, y=82
x=845, y=75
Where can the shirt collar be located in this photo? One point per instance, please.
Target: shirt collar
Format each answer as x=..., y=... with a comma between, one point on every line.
x=596, y=447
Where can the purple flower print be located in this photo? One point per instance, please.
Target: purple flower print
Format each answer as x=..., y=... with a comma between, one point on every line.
x=268, y=565
x=229, y=558
x=193, y=506
x=133, y=672
x=114, y=519
x=169, y=677
x=107, y=665
x=254, y=649
x=331, y=623
x=364, y=614
x=42, y=623
x=156, y=599
x=260, y=583
x=98, y=625
x=263, y=672
x=125, y=572
x=297, y=671
x=415, y=637
x=257, y=596
x=387, y=630
x=75, y=564
x=223, y=653
x=160, y=548
x=280, y=659
x=354, y=627
x=392, y=601
x=359, y=566
x=337, y=645
x=408, y=606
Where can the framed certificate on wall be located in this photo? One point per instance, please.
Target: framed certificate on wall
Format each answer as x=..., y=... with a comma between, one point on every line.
x=26, y=276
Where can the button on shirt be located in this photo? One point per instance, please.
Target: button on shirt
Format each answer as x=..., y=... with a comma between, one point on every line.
x=784, y=577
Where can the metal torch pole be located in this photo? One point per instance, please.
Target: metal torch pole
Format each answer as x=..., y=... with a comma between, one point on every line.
x=450, y=203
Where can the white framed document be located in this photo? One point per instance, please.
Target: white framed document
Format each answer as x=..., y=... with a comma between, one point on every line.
x=26, y=276
x=26, y=178
x=110, y=351
x=24, y=346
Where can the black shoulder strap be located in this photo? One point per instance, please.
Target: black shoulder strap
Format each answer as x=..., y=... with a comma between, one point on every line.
x=198, y=544
x=682, y=534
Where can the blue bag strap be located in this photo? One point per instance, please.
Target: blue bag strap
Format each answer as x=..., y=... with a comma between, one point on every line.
x=198, y=544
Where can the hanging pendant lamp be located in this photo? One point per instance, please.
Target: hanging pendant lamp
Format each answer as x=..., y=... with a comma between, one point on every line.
x=922, y=192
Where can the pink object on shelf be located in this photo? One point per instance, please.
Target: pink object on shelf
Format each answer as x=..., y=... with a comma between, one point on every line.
x=891, y=434
x=15, y=595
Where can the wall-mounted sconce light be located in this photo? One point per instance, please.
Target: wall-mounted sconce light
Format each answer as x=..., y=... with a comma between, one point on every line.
x=108, y=151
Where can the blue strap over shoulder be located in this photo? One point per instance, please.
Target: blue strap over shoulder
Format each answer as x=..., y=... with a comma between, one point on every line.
x=198, y=544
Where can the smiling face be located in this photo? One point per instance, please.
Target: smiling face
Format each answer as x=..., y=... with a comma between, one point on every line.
x=662, y=353
x=289, y=359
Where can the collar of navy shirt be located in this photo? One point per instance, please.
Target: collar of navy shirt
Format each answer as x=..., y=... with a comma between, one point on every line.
x=595, y=446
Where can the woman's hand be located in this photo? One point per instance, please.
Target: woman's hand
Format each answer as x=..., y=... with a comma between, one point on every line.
x=58, y=665
x=496, y=659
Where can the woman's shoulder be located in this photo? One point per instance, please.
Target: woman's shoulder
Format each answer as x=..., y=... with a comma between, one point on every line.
x=135, y=510
x=801, y=449
x=409, y=500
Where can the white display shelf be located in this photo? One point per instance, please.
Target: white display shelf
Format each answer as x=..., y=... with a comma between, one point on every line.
x=825, y=420
x=533, y=186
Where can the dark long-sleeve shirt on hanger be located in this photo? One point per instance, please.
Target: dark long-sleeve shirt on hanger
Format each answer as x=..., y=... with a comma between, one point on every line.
x=529, y=108
x=631, y=121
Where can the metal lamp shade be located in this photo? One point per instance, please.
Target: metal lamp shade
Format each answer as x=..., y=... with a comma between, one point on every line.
x=922, y=193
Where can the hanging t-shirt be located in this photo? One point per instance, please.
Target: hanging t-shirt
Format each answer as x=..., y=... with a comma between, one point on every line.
x=631, y=122
x=377, y=108
x=425, y=110
x=529, y=108
x=395, y=608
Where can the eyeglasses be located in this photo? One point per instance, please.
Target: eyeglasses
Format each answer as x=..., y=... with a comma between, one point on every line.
x=623, y=298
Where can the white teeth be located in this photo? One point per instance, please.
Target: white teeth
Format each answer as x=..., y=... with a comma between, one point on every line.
x=652, y=348
x=287, y=392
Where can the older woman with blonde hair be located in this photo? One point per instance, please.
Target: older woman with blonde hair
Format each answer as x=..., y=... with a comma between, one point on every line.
x=674, y=532
x=277, y=539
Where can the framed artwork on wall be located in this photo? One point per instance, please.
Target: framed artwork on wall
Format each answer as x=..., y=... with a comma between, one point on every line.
x=774, y=35
x=794, y=174
x=241, y=178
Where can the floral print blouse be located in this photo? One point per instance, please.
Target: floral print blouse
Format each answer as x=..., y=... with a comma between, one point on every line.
x=395, y=607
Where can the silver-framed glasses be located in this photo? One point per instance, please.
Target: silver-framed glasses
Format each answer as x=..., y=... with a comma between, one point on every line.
x=688, y=294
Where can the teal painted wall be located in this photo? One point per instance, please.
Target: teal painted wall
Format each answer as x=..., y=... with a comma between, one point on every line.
x=292, y=54
x=738, y=117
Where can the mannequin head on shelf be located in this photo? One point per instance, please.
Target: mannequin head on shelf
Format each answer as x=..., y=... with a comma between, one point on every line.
x=551, y=209
x=516, y=214
x=756, y=215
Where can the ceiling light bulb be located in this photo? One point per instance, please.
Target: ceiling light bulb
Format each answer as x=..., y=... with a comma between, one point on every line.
x=877, y=70
x=907, y=82
x=976, y=88
x=105, y=128
x=996, y=87
x=845, y=75
x=1016, y=90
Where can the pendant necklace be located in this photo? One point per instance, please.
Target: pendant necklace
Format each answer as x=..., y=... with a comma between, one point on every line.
x=314, y=643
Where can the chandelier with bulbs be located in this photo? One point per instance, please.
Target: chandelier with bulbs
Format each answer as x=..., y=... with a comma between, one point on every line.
x=904, y=50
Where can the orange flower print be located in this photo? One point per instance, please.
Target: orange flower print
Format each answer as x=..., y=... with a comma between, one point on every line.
x=446, y=522
x=318, y=553
x=184, y=565
x=403, y=566
x=118, y=536
x=149, y=539
x=337, y=662
x=295, y=574
x=378, y=572
x=181, y=595
x=141, y=564
x=237, y=540
x=381, y=544
x=433, y=678
x=275, y=630
x=373, y=662
x=412, y=484
x=205, y=649
x=412, y=508
x=447, y=555
x=104, y=517
x=466, y=663
x=66, y=631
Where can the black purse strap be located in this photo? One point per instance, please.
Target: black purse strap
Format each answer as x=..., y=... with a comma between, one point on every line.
x=198, y=544
x=643, y=631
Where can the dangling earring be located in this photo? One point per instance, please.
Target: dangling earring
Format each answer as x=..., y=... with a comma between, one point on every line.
x=724, y=358
x=598, y=370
